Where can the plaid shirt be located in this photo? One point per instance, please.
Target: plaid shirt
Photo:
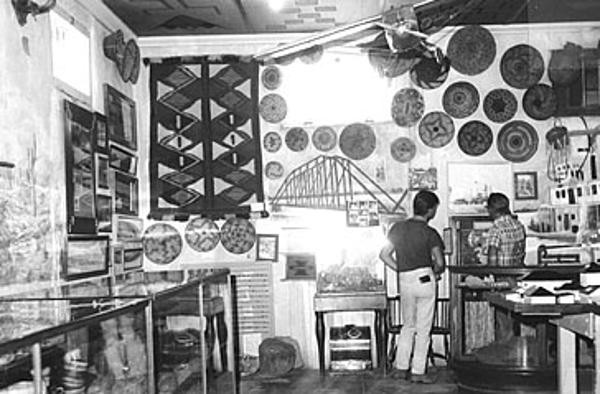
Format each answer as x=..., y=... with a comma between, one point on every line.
x=507, y=234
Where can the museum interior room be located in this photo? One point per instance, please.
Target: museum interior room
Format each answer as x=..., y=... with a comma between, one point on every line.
x=195, y=196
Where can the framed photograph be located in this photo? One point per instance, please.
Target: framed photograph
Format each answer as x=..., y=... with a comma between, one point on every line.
x=104, y=213
x=100, y=133
x=122, y=160
x=300, y=266
x=87, y=256
x=126, y=193
x=102, y=175
x=422, y=178
x=267, y=247
x=362, y=213
x=120, y=117
x=526, y=185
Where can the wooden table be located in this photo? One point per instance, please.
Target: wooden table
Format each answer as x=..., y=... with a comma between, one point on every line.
x=571, y=319
x=348, y=302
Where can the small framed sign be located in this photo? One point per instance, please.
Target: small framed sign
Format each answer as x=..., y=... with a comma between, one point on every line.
x=267, y=247
x=526, y=185
x=87, y=256
x=300, y=266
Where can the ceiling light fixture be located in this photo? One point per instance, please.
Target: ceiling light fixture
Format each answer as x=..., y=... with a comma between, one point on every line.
x=276, y=5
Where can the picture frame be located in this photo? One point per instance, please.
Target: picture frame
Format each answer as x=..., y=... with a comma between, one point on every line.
x=133, y=259
x=128, y=230
x=87, y=255
x=126, y=193
x=267, y=247
x=102, y=173
x=120, y=117
x=122, y=160
x=300, y=266
x=525, y=184
x=100, y=133
x=104, y=213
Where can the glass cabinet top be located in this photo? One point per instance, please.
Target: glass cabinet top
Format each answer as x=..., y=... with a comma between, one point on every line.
x=160, y=283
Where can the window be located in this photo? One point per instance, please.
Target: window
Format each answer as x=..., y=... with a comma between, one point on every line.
x=71, y=58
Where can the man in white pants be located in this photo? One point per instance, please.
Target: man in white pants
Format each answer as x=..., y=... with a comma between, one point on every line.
x=416, y=252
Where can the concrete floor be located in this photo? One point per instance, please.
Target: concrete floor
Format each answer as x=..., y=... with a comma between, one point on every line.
x=367, y=382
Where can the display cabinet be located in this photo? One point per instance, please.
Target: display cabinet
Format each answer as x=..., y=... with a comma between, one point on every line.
x=193, y=328
x=79, y=344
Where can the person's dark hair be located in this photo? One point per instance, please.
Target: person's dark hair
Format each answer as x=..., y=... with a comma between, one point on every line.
x=498, y=203
x=424, y=201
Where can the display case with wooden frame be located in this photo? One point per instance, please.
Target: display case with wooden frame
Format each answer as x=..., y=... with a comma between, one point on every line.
x=80, y=169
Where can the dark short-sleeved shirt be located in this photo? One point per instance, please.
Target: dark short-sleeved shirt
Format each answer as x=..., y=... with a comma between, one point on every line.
x=413, y=242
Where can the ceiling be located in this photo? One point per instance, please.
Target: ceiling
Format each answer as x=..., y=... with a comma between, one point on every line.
x=202, y=17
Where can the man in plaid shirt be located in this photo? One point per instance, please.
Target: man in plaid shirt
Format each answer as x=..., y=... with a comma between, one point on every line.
x=505, y=247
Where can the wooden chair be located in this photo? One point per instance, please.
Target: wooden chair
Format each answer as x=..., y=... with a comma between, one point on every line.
x=441, y=326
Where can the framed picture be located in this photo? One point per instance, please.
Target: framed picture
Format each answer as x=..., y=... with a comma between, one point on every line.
x=104, y=213
x=422, y=178
x=100, y=133
x=526, y=185
x=126, y=193
x=87, y=256
x=120, y=117
x=102, y=176
x=122, y=160
x=133, y=259
x=128, y=230
x=300, y=266
x=267, y=247
x=362, y=213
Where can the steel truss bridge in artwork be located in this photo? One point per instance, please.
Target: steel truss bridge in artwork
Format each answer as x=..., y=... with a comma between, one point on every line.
x=331, y=182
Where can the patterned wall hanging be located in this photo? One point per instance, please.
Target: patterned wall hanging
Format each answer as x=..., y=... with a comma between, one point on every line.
x=407, y=107
x=500, y=105
x=461, y=99
x=272, y=142
x=205, y=153
x=162, y=243
x=436, y=129
x=522, y=66
x=475, y=138
x=403, y=149
x=238, y=235
x=274, y=170
x=271, y=77
x=517, y=141
x=296, y=139
x=357, y=141
x=471, y=50
x=540, y=102
x=273, y=108
x=202, y=235
x=430, y=73
x=324, y=138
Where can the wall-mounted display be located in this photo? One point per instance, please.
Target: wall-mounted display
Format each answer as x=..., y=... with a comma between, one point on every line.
x=271, y=77
x=238, y=235
x=87, y=256
x=324, y=138
x=100, y=133
x=102, y=172
x=461, y=99
x=403, y=149
x=121, y=117
x=475, y=138
x=267, y=247
x=122, y=160
x=471, y=50
x=517, y=141
x=272, y=108
x=162, y=243
x=436, y=129
x=526, y=185
x=104, y=212
x=540, y=102
x=408, y=107
x=522, y=66
x=202, y=234
x=358, y=141
x=296, y=139
x=500, y=105
x=80, y=170
x=126, y=193
x=272, y=142
x=422, y=178
x=362, y=213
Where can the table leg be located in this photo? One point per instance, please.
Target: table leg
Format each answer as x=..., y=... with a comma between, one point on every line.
x=567, y=362
x=222, y=335
x=320, y=331
x=381, y=339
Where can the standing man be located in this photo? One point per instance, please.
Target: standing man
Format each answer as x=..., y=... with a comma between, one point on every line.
x=504, y=247
x=415, y=251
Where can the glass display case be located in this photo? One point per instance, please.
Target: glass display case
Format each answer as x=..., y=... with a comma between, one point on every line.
x=80, y=344
x=193, y=329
